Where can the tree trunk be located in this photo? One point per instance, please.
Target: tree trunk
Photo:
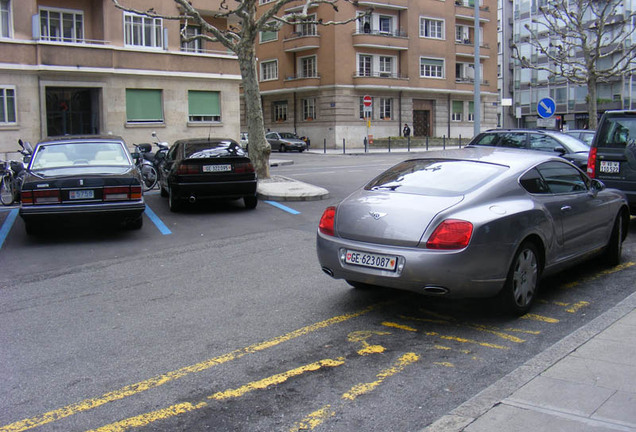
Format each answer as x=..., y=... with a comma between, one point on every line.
x=259, y=148
x=592, y=102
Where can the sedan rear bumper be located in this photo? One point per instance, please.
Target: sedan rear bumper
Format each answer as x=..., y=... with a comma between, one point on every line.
x=126, y=209
x=214, y=190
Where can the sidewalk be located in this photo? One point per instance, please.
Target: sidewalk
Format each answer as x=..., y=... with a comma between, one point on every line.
x=585, y=382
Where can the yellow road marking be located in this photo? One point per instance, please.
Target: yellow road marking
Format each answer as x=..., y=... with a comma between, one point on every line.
x=452, y=338
x=399, y=326
x=518, y=330
x=362, y=336
x=445, y=364
x=616, y=269
x=577, y=306
x=314, y=419
x=541, y=318
x=497, y=333
x=160, y=380
x=175, y=410
x=360, y=389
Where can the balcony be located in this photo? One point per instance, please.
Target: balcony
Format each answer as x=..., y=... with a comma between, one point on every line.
x=470, y=4
x=378, y=78
x=470, y=80
x=384, y=4
x=301, y=41
x=397, y=40
x=301, y=80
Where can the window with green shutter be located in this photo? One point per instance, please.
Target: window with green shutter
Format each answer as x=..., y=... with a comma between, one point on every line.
x=203, y=106
x=144, y=105
x=458, y=111
x=471, y=111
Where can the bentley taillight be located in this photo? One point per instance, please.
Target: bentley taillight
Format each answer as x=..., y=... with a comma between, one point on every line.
x=451, y=234
x=117, y=193
x=327, y=221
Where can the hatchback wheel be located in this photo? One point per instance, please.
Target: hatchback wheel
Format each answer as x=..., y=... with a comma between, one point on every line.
x=522, y=282
x=173, y=201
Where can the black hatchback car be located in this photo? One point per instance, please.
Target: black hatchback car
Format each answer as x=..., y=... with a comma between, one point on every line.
x=89, y=176
x=613, y=153
x=206, y=168
x=570, y=148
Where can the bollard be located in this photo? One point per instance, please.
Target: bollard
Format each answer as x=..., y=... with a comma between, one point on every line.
x=460, y=140
x=343, y=146
x=389, y=144
x=325, y=146
x=444, y=142
x=426, y=142
x=366, y=145
x=408, y=144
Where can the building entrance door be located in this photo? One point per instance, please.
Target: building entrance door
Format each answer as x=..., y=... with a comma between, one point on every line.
x=72, y=111
x=421, y=123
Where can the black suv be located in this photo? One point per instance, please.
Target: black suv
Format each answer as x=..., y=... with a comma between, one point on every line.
x=570, y=148
x=613, y=153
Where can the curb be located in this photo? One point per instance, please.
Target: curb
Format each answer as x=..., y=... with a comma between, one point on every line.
x=279, y=188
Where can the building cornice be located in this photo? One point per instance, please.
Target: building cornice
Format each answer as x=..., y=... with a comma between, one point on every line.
x=374, y=88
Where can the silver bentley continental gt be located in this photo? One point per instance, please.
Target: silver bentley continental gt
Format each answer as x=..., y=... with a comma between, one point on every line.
x=473, y=222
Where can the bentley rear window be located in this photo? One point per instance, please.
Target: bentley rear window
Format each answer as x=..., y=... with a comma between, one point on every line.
x=437, y=177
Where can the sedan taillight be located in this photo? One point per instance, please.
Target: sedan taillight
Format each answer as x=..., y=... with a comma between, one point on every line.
x=26, y=197
x=122, y=193
x=591, y=163
x=48, y=196
x=451, y=234
x=188, y=169
x=243, y=167
x=327, y=221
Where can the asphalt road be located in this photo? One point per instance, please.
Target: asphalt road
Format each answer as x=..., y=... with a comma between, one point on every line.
x=221, y=319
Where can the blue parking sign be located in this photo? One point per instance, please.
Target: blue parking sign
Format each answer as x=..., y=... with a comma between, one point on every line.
x=546, y=107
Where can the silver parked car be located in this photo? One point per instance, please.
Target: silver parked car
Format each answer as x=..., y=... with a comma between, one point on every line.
x=283, y=141
x=473, y=222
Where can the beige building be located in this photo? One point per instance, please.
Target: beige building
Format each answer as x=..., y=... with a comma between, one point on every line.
x=414, y=58
x=85, y=67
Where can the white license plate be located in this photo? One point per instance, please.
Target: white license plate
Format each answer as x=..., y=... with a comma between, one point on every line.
x=81, y=194
x=364, y=259
x=609, y=167
x=217, y=168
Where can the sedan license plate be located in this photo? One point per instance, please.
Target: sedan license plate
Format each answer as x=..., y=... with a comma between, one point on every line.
x=610, y=167
x=364, y=259
x=217, y=168
x=81, y=194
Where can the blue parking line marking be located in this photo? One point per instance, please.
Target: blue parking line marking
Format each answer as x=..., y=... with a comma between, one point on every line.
x=158, y=223
x=6, y=226
x=283, y=207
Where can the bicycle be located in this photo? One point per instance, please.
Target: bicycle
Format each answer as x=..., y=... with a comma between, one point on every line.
x=12, y=176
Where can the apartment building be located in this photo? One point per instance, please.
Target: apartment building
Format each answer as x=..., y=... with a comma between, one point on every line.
x=86, y=67
x=530, y=86
x=414, y=58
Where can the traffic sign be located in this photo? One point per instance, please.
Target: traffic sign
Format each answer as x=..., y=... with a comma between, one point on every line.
x=546, y=107
x=366, y=101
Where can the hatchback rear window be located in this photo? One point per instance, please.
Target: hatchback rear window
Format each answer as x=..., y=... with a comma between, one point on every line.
x=618, y=132
x=206, y=149
x=436, y=177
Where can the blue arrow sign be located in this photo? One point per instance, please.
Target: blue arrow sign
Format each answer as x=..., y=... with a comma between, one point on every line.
x=546, y=107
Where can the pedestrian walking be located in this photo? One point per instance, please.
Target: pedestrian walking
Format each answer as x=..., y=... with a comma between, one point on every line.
x=406, y=131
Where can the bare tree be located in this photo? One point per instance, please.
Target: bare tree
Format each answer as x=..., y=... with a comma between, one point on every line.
x=585, y=42
x=240, y=38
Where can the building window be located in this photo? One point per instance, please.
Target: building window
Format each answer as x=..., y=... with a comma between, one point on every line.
x=462, y=34
x=268, y=35
x=458, y=111
x=269, y=70
x=431, y=28
x=386, y=66
x=431, y=68
x=308, y=67
x=193, y=45
x=309, y=109
x=364, y=65
x=386, y=110
x=280, y=111
x=369, y=113
x=144, y=105
x=61, y=25
x=471, y=111
x=7, y=105
x=386, y=24
x=204, y=106
x=364, y=24
x=142, y=31
x=5, y=19
x=307, y=29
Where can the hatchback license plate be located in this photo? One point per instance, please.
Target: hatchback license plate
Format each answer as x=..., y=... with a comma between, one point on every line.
x=81, y=194
x=364, y=259
x=610, y=167
x=217, y=168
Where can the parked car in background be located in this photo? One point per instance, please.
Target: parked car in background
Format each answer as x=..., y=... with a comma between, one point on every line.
x=472, y=222
x=585, y=135
x=284, y=141
x=569, y=148
x=204, y=169
x=613, y=153
x=91, y=176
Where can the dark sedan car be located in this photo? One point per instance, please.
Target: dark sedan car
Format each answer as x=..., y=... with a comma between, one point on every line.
x=475, y=222
x=569, y=148
x=207, y=168
x=82, y=176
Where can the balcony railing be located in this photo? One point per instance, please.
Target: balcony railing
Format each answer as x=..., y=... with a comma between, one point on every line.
x=391, y=75
x=301, y=76
x=469, y=80
x=470, y=4
x=396, y=33
x=299, y=34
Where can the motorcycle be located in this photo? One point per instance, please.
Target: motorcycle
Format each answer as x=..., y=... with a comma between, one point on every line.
x=148, y=163
x=13, y=173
